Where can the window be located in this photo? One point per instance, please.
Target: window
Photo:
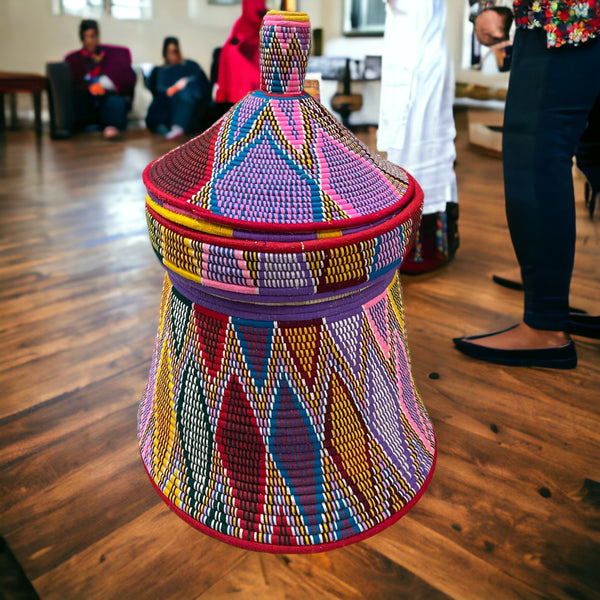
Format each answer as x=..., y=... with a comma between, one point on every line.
x=119, y=9
x=130, y=9
x=364, y=17
x=79, y=8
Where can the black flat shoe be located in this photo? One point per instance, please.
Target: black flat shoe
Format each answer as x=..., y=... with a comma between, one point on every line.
x=560, y=357
x=591, y=197
x=511, y=284
x=584, y=325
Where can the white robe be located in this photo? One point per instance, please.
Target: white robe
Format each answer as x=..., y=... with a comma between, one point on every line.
x=416, y=125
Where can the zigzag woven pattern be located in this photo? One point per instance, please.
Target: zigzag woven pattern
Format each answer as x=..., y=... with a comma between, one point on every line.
x=285, y=433
x=268, y=150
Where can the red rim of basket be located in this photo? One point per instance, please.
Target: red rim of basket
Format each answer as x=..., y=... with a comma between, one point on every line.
x=267, y=227
x=308, y=549
x=409, y=211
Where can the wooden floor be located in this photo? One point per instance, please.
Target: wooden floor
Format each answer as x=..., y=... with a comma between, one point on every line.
x=514, y=507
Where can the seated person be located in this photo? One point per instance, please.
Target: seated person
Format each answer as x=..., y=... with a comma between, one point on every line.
x=181, y=94
x=103, y=81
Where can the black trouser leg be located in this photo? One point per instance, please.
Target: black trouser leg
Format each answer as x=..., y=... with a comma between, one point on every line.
x=551, y=94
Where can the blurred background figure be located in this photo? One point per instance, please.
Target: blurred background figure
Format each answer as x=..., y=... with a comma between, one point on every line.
x=103, y=82
x=416, y=125
x=498, y=42
x=181, y=94
x=239, y=58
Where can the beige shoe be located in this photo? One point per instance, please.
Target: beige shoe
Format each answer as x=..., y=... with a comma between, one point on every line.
x=110, y=132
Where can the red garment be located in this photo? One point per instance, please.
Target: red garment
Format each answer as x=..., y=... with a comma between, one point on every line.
x=113, y=61
x=239, y=60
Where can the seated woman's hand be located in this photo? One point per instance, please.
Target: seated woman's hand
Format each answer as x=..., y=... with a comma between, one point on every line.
x=177, y=86
x=96, y=89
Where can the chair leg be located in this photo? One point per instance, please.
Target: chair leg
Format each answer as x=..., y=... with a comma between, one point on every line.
x=37, y=108
x=14, y=121
x=2, y=115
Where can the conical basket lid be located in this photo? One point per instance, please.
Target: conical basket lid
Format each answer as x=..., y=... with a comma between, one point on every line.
x=278, y=161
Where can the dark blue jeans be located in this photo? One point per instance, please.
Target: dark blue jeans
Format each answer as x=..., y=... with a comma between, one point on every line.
x=551, y=96
x=107, y=110
x=183, y=109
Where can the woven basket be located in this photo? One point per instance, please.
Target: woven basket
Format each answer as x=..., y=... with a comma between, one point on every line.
x=280, y=412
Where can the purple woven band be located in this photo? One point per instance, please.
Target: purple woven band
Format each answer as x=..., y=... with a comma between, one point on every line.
x=328, y=306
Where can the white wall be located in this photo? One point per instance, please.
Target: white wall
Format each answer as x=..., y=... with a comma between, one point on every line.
x=30, y=35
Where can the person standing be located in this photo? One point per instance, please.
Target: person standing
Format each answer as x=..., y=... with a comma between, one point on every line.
x=551, y=110
x=239, y=72
x=416, y=125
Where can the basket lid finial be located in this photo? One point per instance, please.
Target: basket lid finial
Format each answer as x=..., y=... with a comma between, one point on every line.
x=284, y=50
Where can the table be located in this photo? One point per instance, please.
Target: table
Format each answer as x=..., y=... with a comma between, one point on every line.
x=22, y=83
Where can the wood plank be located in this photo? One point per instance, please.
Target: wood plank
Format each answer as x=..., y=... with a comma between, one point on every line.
x=155, y=556
x=346, y=573
x=31, y=433
x=112, y=489
x=458, y=572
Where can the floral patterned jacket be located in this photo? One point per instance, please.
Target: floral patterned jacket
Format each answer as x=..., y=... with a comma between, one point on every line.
x=565, y=22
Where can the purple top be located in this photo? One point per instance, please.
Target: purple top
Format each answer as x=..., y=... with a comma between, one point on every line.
x=112, y=61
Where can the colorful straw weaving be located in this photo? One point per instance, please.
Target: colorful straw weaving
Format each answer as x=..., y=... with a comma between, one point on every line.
x=280, y=412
